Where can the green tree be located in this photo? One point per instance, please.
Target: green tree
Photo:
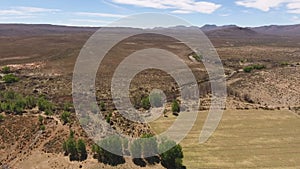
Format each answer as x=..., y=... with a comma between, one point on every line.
x=81, y=148
x=70, y=147
x=172, y=155
x=112, y=157
x=136, y=149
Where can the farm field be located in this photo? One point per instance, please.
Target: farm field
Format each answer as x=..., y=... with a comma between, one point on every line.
x=243, y=139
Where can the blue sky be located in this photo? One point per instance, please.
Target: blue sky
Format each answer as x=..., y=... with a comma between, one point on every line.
x=197, y=12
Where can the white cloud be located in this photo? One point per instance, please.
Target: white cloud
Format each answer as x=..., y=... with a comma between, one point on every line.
x=24, y=11
x=293, y=6
x=178, y=6
x=92, y=14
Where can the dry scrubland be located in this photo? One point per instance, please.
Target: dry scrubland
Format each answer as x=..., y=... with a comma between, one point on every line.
x=260, y=128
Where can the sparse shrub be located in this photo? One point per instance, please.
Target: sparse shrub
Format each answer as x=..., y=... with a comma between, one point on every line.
x=284, y=63
x=30, y=102
x=5, y=69
x=1, y=117
x=146, y=103
x=41, y=119
x=10, y=78
x=248, y=69
x=44, y=104
x=259, y=67
x=108, y=119
x=102, y=106
x=65, y=117
x=43, y=127
x=175, y=107
x=198, y=57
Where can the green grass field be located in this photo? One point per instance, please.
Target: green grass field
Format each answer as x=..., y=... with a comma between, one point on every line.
x=244, y=139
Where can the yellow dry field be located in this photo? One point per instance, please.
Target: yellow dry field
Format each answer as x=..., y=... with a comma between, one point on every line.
x=243, y=139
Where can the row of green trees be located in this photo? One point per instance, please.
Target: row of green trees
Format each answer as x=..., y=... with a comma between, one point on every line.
x=76, y=150
x=141, y=150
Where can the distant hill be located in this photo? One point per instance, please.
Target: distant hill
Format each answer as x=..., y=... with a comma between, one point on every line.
x=38, y=29
x=287, y=30
x=228, y=31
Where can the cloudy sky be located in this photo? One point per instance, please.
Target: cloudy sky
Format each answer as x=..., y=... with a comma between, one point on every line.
x=197, y=12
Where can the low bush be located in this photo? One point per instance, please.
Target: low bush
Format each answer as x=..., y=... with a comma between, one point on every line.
x=248, y=69
x=5, y=69
x=10, y=78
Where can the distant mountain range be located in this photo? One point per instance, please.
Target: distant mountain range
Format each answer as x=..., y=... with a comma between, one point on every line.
x=287, y=30
x=210, y=30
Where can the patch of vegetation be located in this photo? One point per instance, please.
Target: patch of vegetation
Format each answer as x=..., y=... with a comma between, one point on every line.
x=102, y=106
x=65, y=117
x=284, y=64
x=175, y=107
x=5, y=69
x=11, y=102
x=145, y=102
x=198, y=57
x=44, y=105
x=76, y=150
x=108, y=118
x=43, y=127
x=249, y=69
x=10, y=78
x=41, y=119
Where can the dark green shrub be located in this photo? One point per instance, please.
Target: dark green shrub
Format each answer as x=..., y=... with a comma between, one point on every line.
x=10, y=78
x=248, y=69
x=259, y=67
x=172, y=158
x=175, y=107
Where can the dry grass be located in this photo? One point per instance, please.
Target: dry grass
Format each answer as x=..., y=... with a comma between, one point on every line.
x=244, y=139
